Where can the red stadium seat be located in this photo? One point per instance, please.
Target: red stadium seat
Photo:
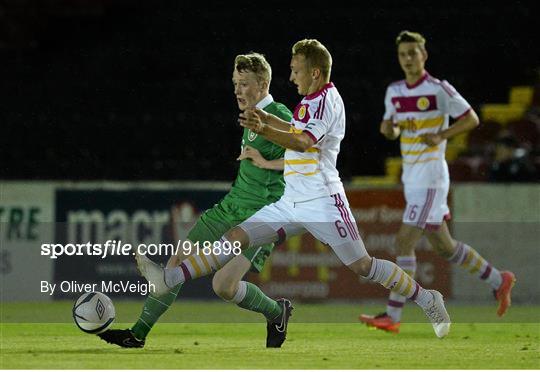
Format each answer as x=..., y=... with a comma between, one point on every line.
x=469, y=169
x=459, y=171
x=526, y=133
x=483, y=136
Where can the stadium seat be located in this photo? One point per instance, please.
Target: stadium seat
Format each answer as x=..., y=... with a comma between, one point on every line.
x=503, y=113
x=482, y=137
x=469, y=169
x=526, y=133
x=521, y=95
x=536, y=162
x=460, y=171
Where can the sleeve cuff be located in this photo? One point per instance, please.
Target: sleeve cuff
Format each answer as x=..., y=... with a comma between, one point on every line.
x=311, y=135
x=462, y=115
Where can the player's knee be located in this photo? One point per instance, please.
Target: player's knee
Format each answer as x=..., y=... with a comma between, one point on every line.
x=441, y=244
x=443, y=248
x=223, y=286
x=404, y=246
x=405, y=242
x=362, y=266
x=174, y=261
x=238, y=235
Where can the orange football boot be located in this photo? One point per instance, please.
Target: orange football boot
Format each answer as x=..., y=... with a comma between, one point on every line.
x=382, y=321
x=504, y=293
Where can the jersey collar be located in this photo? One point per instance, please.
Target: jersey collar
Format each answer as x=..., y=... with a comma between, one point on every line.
x=318, y=93
x=265, y=102
x=418, y=82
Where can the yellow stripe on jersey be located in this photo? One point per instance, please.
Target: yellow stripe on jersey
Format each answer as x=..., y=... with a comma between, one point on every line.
x=426, y=150
x=417, y=124
x=302, y=174
x=419, y=161
x=410, y=140
x=311, y=149
x=301, y=161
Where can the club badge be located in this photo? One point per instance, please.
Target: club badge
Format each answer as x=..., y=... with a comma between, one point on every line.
x=302, y=112
x=422, y=103
x=251, y=136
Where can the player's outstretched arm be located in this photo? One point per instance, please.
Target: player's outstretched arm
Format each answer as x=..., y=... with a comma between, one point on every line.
x=464, y=124
x=272, y=120
x=389, y=129
x=293, y=141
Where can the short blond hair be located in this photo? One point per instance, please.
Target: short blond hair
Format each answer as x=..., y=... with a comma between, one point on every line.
x=411, y=37
x=256, y=63
x=316, y=54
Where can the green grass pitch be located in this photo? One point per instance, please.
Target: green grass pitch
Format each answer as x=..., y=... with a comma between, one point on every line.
x=215, y=335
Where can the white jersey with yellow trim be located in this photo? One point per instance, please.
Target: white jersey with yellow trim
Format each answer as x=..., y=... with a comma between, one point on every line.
x=313, y=174
x=418, y=109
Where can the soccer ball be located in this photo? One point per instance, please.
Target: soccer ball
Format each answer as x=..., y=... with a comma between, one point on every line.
x=93, y=312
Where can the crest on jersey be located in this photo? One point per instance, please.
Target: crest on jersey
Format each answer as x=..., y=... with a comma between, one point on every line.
x=251, y=135
x=302, y=112
x=422, y=103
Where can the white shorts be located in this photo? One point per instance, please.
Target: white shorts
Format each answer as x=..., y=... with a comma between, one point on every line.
x=426, y=207
x=328, y=219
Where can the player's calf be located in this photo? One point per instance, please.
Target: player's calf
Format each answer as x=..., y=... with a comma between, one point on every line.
x=204, y=263
x=392, y=277
x=441, y=241
x=224, y=289
x=226, y=280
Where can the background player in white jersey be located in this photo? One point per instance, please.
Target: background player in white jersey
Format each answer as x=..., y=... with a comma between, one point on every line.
x=418, y=109
x=314, y=200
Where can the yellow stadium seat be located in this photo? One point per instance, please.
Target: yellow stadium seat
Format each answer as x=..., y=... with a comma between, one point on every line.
x=522, y=95
x=371, y=181
x=502, y=113
x=456, y=145
x=393, y=167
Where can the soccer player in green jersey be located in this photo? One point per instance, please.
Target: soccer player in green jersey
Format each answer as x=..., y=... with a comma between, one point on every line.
x=259, y=182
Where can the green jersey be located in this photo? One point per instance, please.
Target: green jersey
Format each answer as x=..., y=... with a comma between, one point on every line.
x=254, y=184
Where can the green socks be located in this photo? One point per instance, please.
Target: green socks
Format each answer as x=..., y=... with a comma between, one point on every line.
x=153, y=308
x=250, y=297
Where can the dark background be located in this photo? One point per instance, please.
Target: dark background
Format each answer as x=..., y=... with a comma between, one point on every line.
x=118, y=89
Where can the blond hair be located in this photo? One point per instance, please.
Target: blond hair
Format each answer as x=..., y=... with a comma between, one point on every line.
x=256, y=63
x=316, y=54
x=411, y=37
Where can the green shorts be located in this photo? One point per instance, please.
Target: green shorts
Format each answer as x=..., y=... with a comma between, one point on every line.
x=225, y=215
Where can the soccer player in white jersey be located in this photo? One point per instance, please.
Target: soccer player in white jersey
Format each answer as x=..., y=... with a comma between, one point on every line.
x=418, y=110
x=314, y=199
